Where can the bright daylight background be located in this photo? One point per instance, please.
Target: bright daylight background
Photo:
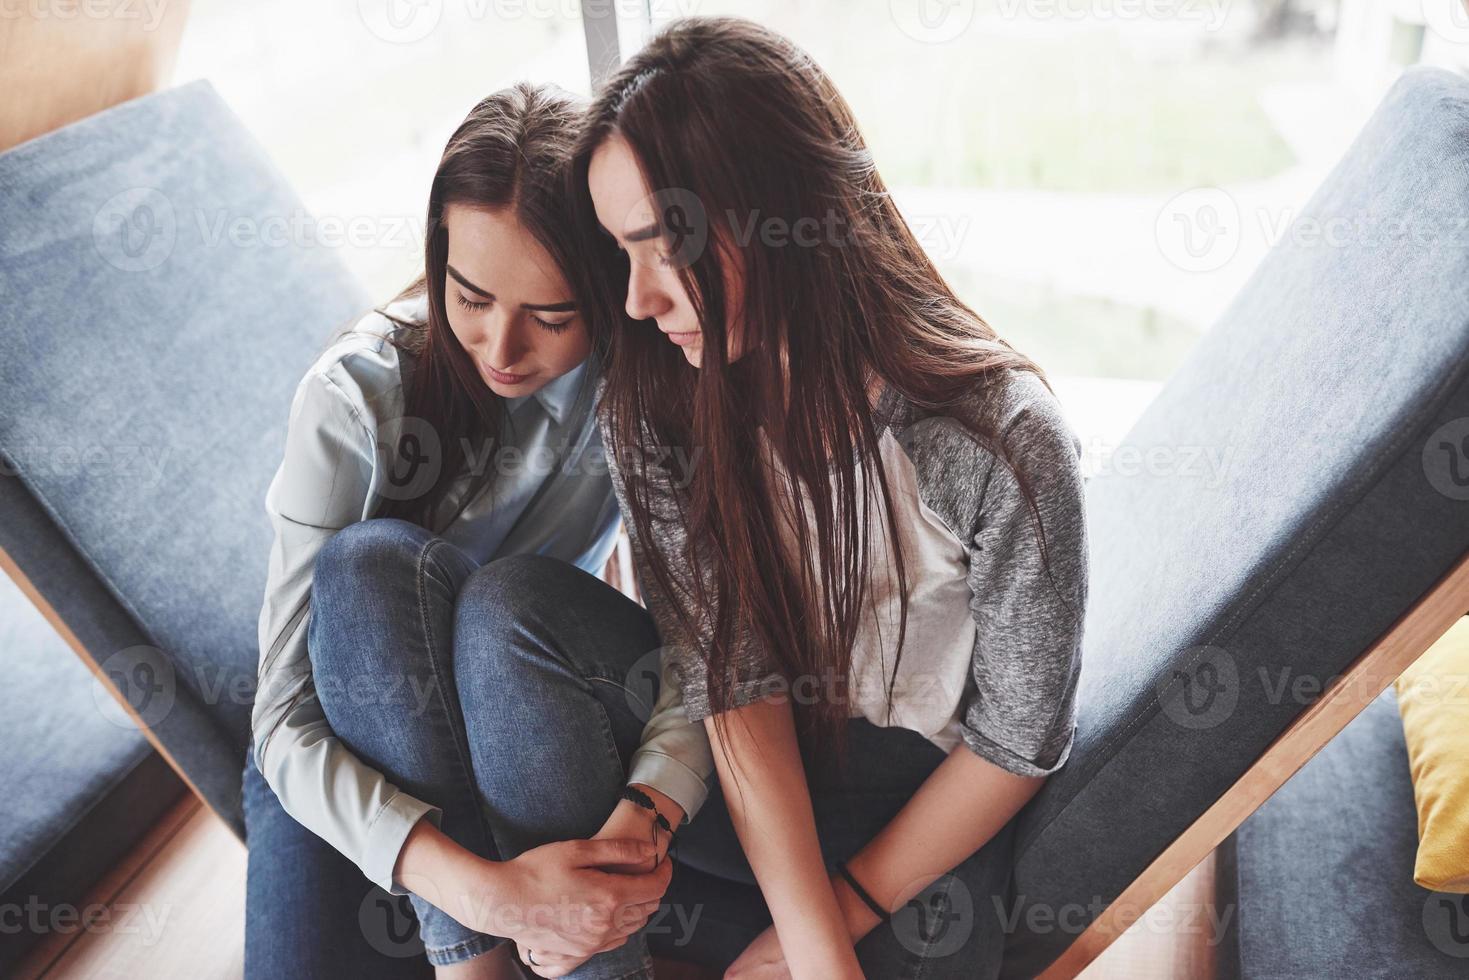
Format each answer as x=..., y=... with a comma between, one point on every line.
x=1096, y=177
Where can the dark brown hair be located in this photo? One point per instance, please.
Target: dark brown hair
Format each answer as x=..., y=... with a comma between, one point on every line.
x=726, y=116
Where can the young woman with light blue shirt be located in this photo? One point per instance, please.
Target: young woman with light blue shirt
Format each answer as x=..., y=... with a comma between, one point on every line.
x=434, y=641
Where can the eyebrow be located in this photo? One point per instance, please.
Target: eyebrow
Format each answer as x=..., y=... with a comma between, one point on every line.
x=566, y=307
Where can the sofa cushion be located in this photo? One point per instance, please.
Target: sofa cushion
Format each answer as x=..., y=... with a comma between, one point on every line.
x=164, y=294
x=1224, y=598
x=1320, y=878
x=82, y=784
x=1433, y=698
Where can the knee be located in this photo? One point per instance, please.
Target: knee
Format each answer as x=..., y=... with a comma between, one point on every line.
x=367, y=550
x=508, y=593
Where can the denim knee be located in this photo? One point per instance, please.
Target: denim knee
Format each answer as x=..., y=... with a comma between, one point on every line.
x=363, y=550
x=520, y=588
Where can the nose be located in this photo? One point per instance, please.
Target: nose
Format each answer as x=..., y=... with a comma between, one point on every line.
x=501, y=346
x=646, y=297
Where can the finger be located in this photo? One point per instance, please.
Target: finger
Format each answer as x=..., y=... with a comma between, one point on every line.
x=611, y=850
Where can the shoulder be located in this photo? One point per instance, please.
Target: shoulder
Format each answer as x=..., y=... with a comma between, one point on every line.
x=960, y=474
x=359, y=373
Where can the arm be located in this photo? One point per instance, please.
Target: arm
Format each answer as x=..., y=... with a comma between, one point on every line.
x=1018, y=721
x=322, y=485
x=770, y=806
x=673, y=763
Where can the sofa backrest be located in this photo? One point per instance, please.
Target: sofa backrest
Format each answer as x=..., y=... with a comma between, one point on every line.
x=1312, y=484
x=161, y=300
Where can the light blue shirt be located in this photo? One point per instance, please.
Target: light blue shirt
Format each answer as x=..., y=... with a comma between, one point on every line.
x=346, y=422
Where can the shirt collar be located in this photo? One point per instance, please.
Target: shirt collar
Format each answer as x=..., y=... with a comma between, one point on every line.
x=556, y=398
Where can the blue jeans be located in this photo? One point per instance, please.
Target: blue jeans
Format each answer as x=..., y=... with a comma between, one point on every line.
x=504, y=694
x=309, y=912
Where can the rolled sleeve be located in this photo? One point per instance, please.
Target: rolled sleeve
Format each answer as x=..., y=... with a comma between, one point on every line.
x=1028, y=606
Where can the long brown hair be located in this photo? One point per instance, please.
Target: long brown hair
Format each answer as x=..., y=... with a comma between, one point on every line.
x=512, y=150
x=726, y=116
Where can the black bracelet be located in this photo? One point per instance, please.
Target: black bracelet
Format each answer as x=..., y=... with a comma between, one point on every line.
x=871, y=902
x=646, y=802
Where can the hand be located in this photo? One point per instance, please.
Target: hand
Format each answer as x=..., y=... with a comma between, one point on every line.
x=557, y=903
x=628, y=820
x=761, y=960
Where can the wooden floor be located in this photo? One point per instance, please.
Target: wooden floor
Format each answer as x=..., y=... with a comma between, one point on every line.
x=176, y=909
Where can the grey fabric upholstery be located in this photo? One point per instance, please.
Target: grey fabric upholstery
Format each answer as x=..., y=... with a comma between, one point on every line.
x=1219, y=607
x=158, y=313
x=1320, y=878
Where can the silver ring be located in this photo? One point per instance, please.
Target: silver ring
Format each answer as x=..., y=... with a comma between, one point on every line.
x=530, y=957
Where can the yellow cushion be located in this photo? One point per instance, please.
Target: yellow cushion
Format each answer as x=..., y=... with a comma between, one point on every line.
x=1433, y=698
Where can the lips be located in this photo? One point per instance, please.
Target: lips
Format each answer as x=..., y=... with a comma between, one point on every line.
x=682, y=339
x=502, y=377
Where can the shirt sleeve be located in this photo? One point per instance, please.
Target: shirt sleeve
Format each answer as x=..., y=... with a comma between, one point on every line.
x=323, y=484
x=675, y=756
x=1028, y=614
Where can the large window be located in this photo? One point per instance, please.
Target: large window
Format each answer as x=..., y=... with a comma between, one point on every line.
x=1096, y=177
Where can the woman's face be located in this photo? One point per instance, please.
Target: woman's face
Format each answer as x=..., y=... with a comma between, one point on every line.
x=628, y=211
x=508, y=302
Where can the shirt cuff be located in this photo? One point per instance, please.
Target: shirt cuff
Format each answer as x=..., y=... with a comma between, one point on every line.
x=387, y=834
x=670, y=777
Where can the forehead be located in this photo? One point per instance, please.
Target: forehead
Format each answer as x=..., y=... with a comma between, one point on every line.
x=619, y=192
x=494, y=250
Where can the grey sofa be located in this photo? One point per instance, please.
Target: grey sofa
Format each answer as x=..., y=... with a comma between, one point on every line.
x=132, y=331
x=1327, y=382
